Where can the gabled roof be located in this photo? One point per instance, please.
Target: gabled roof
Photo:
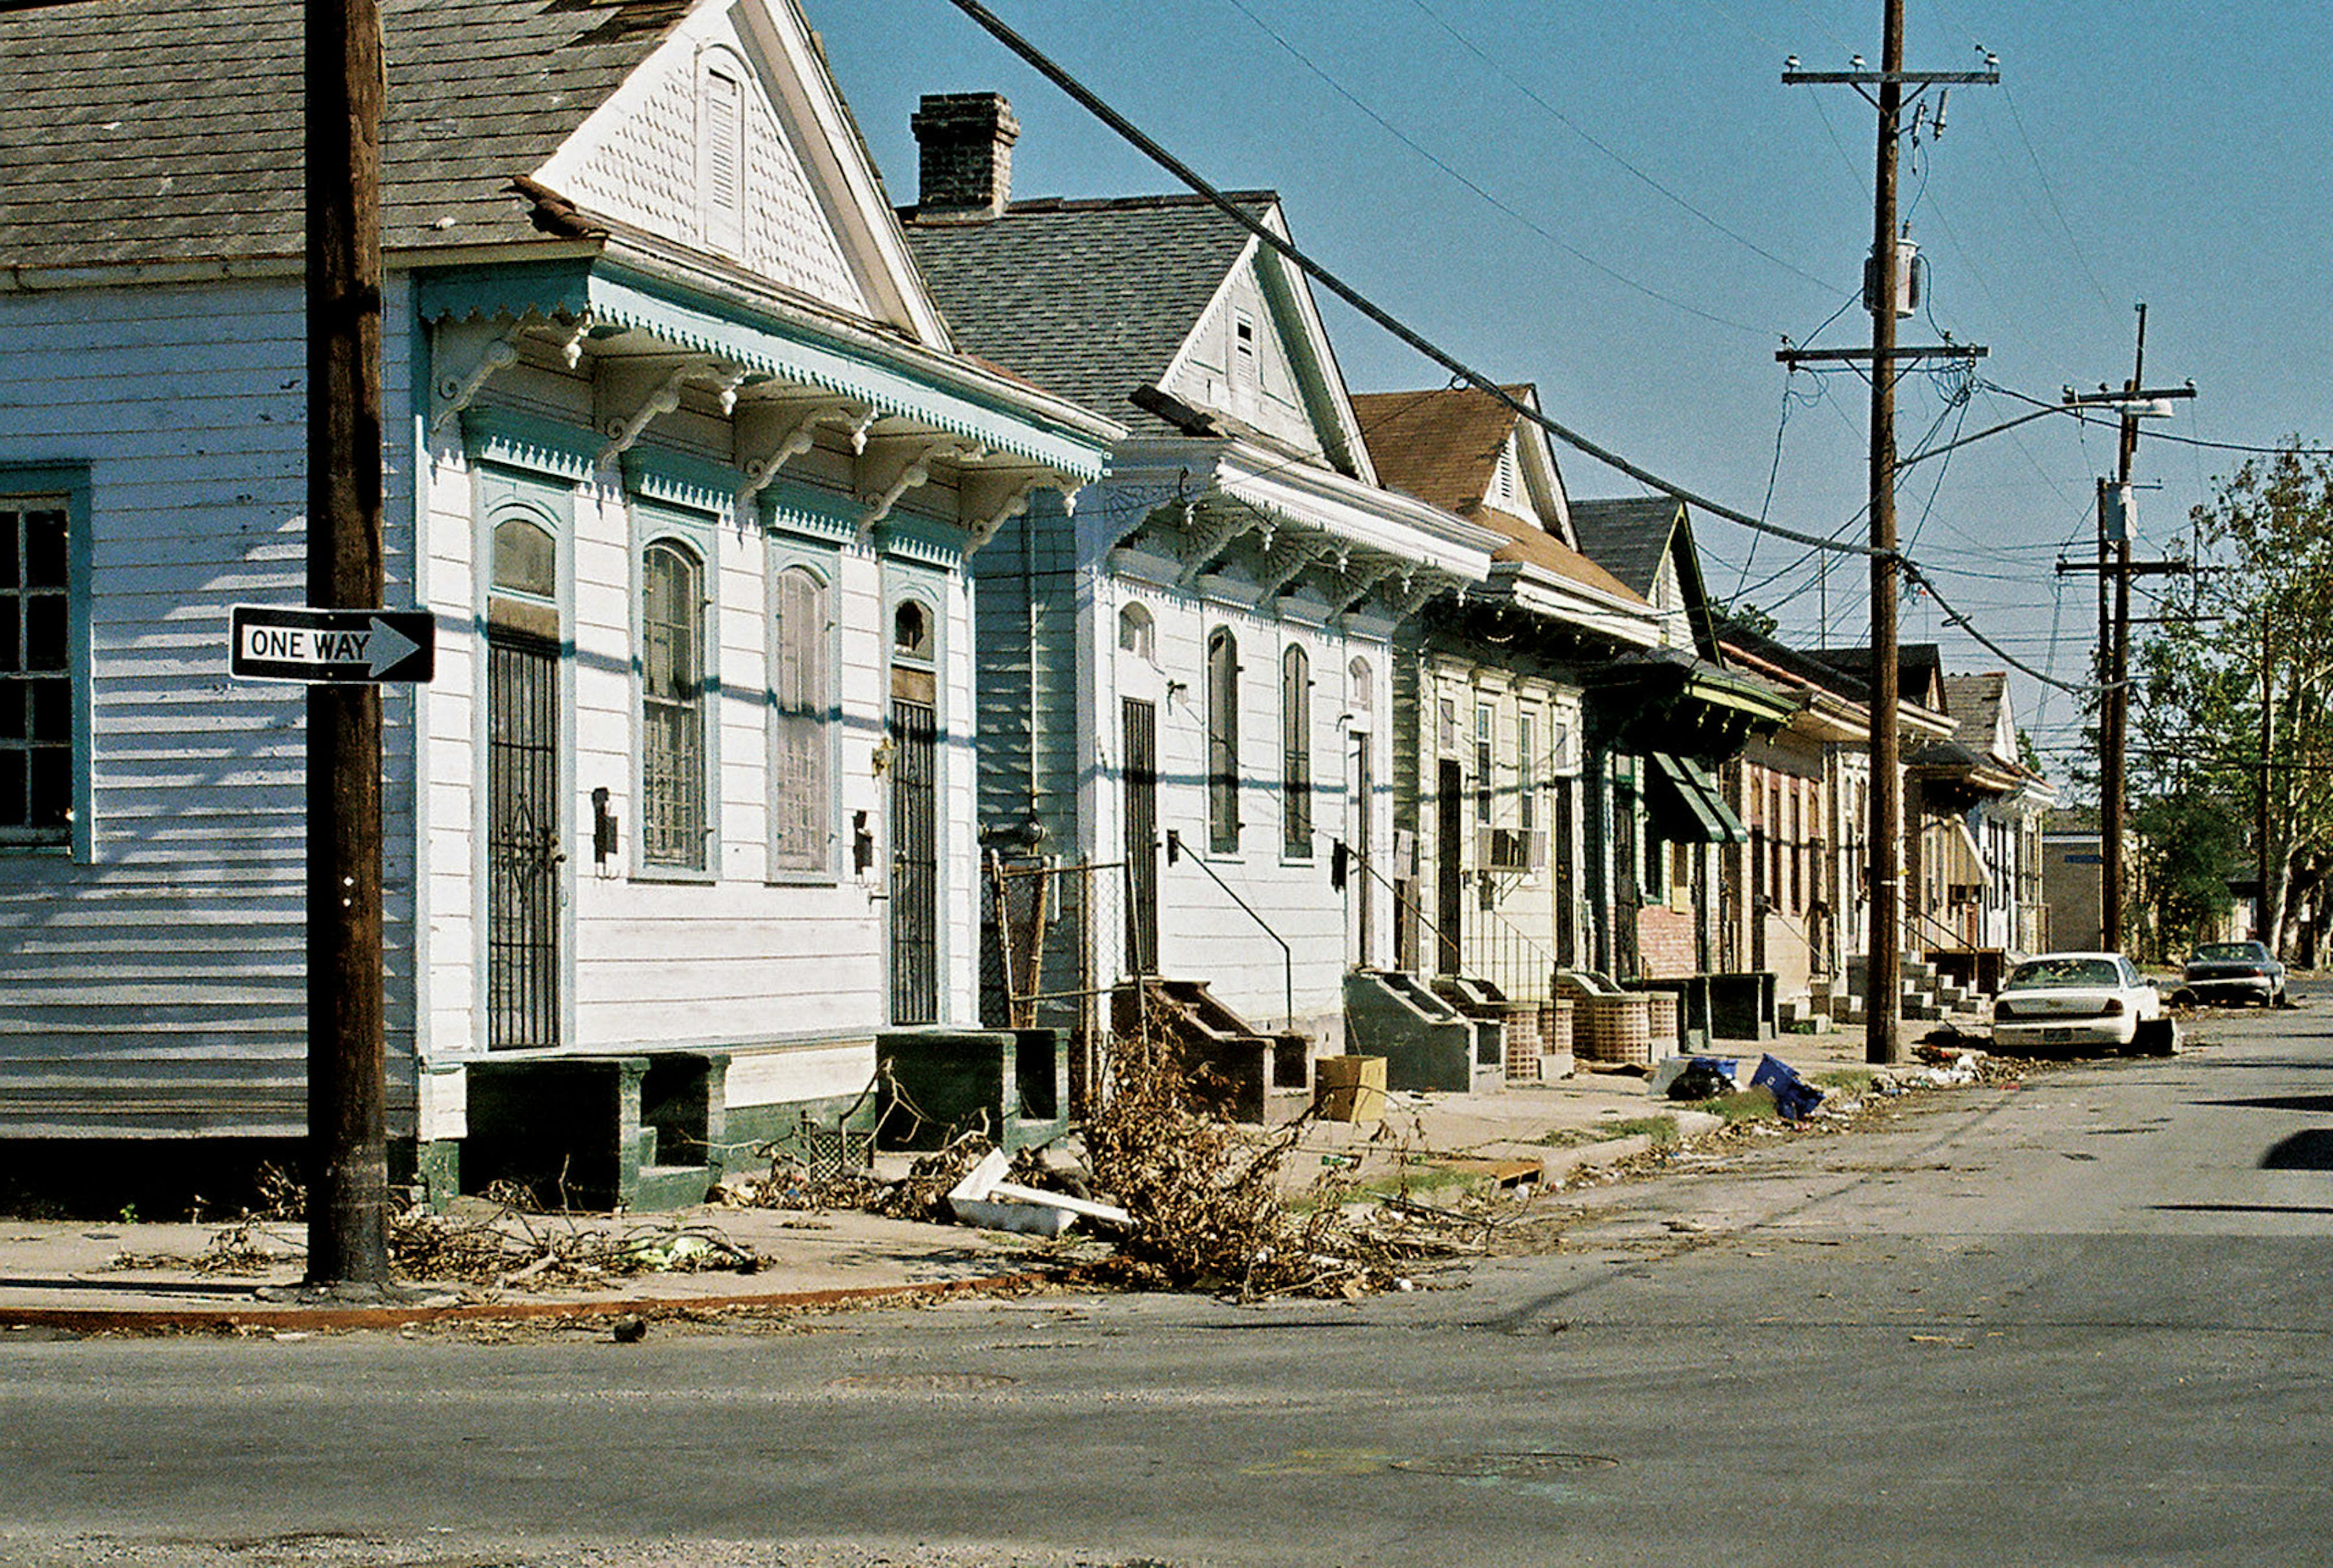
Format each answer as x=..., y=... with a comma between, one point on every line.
x=1441, y=445
x=1919, y=671
x=1092, y=299
x=1975, y=703
x=1628, y=536
x=196, y=156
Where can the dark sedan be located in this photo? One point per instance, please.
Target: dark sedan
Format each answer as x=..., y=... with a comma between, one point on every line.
x=2234, y=972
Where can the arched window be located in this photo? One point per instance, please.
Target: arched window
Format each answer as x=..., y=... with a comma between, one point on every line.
x=911, y=633
x=1361, y=690
x=672, y=708
x=1137, y=633
x=1222, y=741
x=526, y=559
x=801, y=708
x=1296, y=750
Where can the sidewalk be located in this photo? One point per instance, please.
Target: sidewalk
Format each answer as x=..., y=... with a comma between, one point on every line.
x=138, y=1277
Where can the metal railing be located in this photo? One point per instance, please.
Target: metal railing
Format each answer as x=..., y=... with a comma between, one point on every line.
x=1506, y=955
x=1287, y=954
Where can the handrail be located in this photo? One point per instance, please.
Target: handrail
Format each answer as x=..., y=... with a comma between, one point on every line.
x=1287, y=954
x=1505, y=967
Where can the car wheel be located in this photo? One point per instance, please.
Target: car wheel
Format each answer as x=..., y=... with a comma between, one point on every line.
x=2156, y=1037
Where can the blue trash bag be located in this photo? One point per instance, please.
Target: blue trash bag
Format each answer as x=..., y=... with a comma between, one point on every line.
x=1794, y=1097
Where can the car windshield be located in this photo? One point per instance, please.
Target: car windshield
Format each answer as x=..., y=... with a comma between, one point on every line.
x=2050, y=973
x=2230, y=952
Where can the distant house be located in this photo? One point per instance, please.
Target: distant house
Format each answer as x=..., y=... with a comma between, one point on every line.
x=2008, y=911
x=1796, y=893
x=1185, y=686
x=687, y=464
x=1660, y=721
x=1490, y=710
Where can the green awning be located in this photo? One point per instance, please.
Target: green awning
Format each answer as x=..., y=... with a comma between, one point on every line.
x=1685, y=804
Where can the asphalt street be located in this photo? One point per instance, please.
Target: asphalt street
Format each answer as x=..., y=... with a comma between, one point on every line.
x=2082, y=1319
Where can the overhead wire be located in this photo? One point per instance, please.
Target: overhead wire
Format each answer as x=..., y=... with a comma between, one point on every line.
x=1045, y=66
x=1488, y=196
x=1593, y=140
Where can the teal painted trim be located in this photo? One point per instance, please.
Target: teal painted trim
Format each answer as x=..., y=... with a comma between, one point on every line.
x=514, y=289
x=71, y=480
x=530, y=442
x=791, y=506
x=720, y=328
x=913, y=539
x=682, y=480
x=652, y=522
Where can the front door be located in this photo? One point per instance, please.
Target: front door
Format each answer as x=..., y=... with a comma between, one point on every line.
x=1450, y=880
x=1142, y=827
x=914, y=861
x=1565, y=864
x=524, y=851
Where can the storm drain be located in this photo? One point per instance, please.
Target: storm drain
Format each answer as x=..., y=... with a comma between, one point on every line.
x=1508, y=1467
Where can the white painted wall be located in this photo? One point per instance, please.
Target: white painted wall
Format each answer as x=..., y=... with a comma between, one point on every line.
x=159, y=986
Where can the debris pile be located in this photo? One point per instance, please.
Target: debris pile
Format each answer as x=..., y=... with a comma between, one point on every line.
x=1206, y=1205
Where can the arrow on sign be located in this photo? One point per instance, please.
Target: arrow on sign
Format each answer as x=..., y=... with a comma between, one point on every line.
x=331, y=646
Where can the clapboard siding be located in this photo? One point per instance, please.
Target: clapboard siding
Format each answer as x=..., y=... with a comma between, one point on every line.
x=161, y=987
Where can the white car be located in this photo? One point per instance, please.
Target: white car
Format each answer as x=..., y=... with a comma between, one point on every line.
x=2080, y=1001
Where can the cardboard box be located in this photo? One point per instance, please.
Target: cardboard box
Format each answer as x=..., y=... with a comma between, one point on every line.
x=1349, y=1088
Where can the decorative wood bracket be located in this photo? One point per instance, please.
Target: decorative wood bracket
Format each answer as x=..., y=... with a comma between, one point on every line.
x=471, y=352
x=1360, y=585
x=897, y=464
x=776, y=433
x=986, y=501
x=1300, y=557
x=1213, y=543
x=632, y=398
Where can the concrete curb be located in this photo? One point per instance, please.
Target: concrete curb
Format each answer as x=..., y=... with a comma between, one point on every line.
x=163, y=1320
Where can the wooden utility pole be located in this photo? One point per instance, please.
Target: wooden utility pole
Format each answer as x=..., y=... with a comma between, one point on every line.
x=347, y=1157
x=2133, y=402
x=1883, y=982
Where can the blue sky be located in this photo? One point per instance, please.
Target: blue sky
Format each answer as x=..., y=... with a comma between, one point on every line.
x=2173, y=153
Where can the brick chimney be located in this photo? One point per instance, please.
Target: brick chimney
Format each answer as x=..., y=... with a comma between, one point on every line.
x=966, y=139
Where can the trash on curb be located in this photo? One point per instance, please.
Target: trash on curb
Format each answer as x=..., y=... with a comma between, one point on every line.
x=984, y=1198
x=1794, y=1097
x=1693, y=1078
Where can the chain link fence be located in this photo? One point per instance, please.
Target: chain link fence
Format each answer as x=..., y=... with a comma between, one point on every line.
x=1054, y=951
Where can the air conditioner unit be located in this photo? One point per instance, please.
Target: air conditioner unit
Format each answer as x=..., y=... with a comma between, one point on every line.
x=1510, y=849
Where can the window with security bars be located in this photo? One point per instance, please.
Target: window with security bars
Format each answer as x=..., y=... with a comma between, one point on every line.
x=672, y=709
x=36, y=696
x=801, y=710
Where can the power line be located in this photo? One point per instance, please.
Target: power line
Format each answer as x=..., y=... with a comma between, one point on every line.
x=1496, y=201
x=1590, y=139
x=1142, y=142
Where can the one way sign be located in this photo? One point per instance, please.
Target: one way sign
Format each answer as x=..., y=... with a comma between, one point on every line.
x=312, y=646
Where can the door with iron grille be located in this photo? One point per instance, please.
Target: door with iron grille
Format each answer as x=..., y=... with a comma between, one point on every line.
x=1141, y=836
x=915, y=863
x=523, y=851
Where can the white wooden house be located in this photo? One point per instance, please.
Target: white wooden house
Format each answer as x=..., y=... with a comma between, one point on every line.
x=1491, y=712
x=1188, y=680
x=678, y=451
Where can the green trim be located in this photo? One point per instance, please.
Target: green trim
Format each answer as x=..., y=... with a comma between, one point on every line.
x=1688, y=805
x=911, y=539
x=617, y=298
x=792, y=507
x=529, y=442
x=682, y=480
x=71, y=480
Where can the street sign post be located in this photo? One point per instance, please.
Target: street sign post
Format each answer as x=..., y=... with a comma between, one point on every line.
x=331, y=647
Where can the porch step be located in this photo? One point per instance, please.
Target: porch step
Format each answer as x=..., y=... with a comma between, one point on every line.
x=1234, y=1065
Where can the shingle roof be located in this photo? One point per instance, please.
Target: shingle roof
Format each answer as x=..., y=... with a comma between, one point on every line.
x=136, y=132
x=1628, y=536
x=1974, y=702
x=1090, y=299
x=1919, y=668
x=1440, y=446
